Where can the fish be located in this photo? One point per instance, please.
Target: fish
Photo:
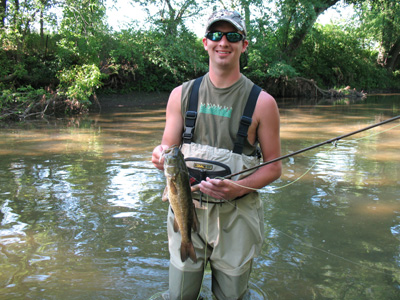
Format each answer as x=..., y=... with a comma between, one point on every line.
x=178, y=193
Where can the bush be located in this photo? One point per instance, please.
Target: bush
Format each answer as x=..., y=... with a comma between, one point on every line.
x=79, y=83
x=334, y=57
x=147, y=61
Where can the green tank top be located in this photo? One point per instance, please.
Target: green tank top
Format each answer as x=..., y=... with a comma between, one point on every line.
x=219, y=112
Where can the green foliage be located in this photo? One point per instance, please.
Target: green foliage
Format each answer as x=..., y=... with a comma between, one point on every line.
x=258, y=68
x=380, y=24
x=36, y=67
x=148, y=62
x=79, y=83
x=82, y=30
x=178, y=58
x=335, y=57
x=20, y=71
x=284, y=43
x=281, y=69
x=20, y=95
x=14, y=102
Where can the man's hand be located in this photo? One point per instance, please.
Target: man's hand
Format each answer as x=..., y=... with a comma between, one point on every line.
x=157, y=157
x=222, y=189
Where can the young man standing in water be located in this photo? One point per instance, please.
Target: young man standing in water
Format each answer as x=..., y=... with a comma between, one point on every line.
x=220, y=130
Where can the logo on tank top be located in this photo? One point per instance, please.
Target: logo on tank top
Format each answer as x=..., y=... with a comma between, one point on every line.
x=216, y=110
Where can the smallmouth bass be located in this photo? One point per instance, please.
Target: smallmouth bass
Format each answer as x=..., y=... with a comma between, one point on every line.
x=178, y=193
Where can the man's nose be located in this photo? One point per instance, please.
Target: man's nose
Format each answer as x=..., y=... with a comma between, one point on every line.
x=224, y=40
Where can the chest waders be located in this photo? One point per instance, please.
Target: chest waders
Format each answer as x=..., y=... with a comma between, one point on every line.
x=199, y=168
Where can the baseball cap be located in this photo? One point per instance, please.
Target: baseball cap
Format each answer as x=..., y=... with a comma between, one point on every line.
x=232, y=17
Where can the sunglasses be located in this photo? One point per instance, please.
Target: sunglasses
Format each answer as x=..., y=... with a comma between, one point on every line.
x=232, y=37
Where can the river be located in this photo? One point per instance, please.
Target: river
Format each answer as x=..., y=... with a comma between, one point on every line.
x=82, y=217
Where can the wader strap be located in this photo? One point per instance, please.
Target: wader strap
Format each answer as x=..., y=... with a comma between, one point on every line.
x=245, y=120
x=191, y=113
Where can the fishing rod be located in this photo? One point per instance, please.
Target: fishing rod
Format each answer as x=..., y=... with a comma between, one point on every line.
x=312, y=147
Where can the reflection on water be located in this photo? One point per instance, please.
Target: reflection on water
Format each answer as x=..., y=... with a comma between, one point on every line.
x=81, y=215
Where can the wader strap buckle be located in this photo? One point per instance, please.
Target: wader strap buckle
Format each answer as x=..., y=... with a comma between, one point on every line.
x=190, y=120
x=241, y=135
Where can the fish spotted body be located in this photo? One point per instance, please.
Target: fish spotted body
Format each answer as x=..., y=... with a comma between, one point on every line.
x=178, y=193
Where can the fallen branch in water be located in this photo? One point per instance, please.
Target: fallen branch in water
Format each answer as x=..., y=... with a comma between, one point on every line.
x=331, y=93
x=300, y=87
x=23, y=106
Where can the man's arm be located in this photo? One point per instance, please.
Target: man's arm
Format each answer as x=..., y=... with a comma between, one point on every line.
x=265, y=127
x=173, y=128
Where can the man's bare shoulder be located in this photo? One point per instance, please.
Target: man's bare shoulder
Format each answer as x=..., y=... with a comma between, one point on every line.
x=265, y=103
x=176, y=93
x=174, y=100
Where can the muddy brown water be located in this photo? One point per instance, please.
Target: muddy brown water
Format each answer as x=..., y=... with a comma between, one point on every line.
x=81, y=215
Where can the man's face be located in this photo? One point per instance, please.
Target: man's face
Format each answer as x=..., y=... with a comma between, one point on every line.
x=223, y=52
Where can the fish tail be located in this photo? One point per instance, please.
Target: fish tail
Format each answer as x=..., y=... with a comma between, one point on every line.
x=187, y=250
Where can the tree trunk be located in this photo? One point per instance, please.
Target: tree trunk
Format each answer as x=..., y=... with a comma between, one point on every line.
x=16, y=10
x=305, y=28
x=41, y=27
x=393, y=56
x=245, y=5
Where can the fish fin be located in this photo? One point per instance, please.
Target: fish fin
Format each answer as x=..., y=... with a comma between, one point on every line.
x=173, y=188
x=187, y=250
x=165, y=194
x=195, y=224
x=176, y=226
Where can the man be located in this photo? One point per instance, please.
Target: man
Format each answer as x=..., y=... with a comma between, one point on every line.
x=230, y=213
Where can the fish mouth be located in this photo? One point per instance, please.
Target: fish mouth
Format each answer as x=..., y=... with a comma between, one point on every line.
x=169, y=150
x=170, y=155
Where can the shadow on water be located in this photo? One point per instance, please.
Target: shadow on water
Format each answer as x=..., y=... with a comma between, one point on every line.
x=81, y=215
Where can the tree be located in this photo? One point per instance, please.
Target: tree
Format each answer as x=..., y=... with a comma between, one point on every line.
x=278, y=34
x=169, y=14
x=44, y=6
x=245, y=7
x=3, y=7
x=380, y=21
x=295, y=21
x=82, y=30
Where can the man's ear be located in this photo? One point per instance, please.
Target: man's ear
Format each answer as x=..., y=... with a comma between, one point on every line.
x=205, y=43
x=245, y=44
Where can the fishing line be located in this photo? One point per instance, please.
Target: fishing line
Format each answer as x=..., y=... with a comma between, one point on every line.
x=334, y=141
x=329, y=253
x=205, y=249
x=371, y=135
x=183, y=280
x=307, y=171
x=156, y=295
x=279, y=187
x=301, y=176
x=314, y=247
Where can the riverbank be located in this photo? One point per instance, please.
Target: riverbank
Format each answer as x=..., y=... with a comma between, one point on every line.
x=297, y=90
x=133, y=99
x=57, y=107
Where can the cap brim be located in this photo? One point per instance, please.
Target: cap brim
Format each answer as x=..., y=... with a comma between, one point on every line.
x=236, y=25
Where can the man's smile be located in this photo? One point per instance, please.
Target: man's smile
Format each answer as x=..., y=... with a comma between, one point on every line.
x=223, y=52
